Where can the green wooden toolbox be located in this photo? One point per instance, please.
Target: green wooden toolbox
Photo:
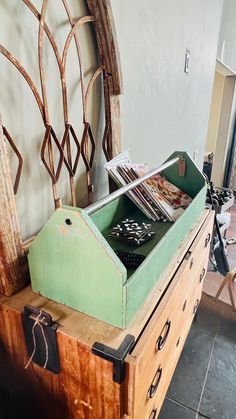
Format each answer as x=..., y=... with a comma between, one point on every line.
x=72, y=260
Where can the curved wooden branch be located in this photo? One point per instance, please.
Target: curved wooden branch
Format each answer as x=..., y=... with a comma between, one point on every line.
x=72, y=23
x=84, y=144
x=78, y=23
x=107, y=145
x=57, y=55
x=44, y=95
x=19, y=157
x=40, y=58
x=89, y=88
x=26, y=76
x=47, y=31
x=44, y=27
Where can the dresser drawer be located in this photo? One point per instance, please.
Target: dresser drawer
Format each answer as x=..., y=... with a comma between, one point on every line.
x=152, y=409
x=155, y=355
x=191, y=281
x=183, y=329
x=157, y=352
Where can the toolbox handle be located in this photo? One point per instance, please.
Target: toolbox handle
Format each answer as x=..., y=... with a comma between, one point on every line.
x=109, y=198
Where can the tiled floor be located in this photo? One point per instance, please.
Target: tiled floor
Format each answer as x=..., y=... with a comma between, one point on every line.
x=204, y=383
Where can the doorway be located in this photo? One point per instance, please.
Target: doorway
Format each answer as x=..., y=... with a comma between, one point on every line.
x=221, y=121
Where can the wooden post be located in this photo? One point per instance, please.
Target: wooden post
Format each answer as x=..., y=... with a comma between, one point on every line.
x=107, y=42
x=110, y=58
x=12, y=255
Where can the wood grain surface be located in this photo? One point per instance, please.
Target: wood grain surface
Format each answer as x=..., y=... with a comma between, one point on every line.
x=107, y=41
x=83, y=389
x=88, y=329
x=12, y=260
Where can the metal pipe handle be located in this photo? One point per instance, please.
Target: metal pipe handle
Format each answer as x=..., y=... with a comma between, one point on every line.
x=109, y=198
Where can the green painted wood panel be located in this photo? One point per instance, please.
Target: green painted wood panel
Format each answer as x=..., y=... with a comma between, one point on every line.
x=112, y=213
x=193, y=180
x=73, y=265
x=140, y=284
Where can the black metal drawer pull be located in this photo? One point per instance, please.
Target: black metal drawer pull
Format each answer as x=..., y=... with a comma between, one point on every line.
x=184, y=305
x=155, y=383
x=208, y=238
x=177, y=343
x=202, y=275
x=196, y=306
x=160, y=343
x=153, y=414
x=191, y=264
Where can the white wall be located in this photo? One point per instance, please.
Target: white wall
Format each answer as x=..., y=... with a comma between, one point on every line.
x=227, y=39
x=163, y=109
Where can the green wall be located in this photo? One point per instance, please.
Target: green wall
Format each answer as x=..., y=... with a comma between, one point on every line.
x=164, y=109
x=227, y=39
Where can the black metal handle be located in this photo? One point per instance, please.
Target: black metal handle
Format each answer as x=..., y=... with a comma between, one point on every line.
x=191, y=264
x=43, y=317
x=202, y=275
x=155, y=383
x=208, y=238
x=184, y=305
x=196, y=306
x=161, y=341
x=153, y=414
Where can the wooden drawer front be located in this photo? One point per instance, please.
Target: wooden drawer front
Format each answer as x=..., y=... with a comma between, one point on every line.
x=178, y=345
x=152, y=352
x=182, y=325
x=194, y=267
x=154, y=367
x=190, y=283
x=154, y=357
x=153, y=408
x=199, y=250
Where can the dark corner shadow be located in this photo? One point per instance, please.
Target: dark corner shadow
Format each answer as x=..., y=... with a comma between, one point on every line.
x=21, y=396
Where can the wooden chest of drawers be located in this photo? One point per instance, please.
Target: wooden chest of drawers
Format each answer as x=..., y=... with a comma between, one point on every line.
x=154, y=358
x=84, y=387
